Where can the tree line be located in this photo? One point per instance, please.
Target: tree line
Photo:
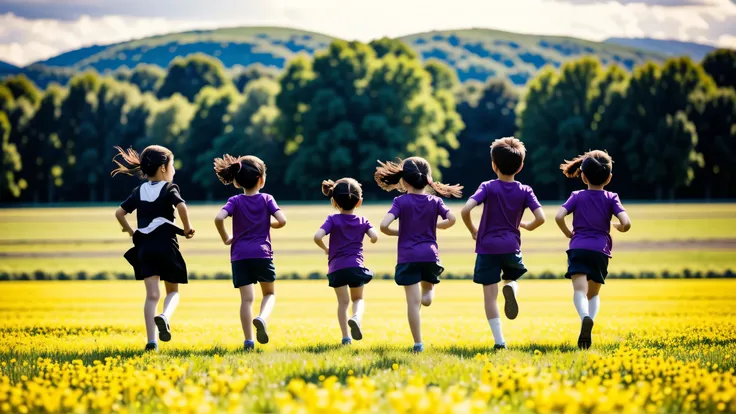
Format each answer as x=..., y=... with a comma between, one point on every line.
x=671, y=129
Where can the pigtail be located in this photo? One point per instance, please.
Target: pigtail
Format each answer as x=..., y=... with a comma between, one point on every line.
x=130, y=157
x=571, y=169
x=446, y=190
x=388, y=175
x=328, y=187
x=227, y=168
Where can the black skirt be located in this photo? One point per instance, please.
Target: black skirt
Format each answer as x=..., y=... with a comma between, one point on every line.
x=157, y=254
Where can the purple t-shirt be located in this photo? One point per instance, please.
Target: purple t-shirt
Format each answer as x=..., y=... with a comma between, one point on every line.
x=251, y=225
x=417, y=214
x=346, y=240
x=503, y=206
x=591, y=219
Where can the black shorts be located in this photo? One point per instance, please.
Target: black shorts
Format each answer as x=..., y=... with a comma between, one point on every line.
x=587, y=262
x=351, y=276
x=488, y=268
x=250, y=271
x=408, y=274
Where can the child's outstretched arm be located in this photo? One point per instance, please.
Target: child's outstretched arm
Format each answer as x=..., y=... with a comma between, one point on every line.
x=624, y=223
x=280, y=220
x=319, y=242
x=447, y=223
x=385, y=229
x=120, y=215
x=467, y=219
x=560, y=219
x=373, y=234
x=539, y=219
x=181, y=208
x=220, y=224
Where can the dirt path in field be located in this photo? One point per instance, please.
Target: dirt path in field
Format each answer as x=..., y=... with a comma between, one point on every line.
x=639, y=246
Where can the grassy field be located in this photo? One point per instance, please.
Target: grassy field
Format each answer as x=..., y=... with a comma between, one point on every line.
x=670, y=237
x=659, y=346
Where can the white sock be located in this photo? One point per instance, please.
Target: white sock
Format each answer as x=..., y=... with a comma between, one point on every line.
x=581, y=304
x=496, y=329
x=514, y=286
x=417, y=343
x=593, y=306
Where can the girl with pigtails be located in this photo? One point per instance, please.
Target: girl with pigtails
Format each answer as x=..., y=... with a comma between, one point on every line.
x=250, y=243
x=590, y=238
x=155, y=255
x=346, y=273
x=418, y=266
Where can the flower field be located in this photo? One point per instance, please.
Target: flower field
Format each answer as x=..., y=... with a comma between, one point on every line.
x=658, y=346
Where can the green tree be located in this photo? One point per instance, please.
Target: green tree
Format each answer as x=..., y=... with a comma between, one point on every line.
x=148, y=78
x=443, y=78
x=43, y=130
x=252, y=73
x=189, y=75
x=21, y=86
x=10, y=186
x=7, y=101
x=721, y=66
x=387, y=46
x=168, y=125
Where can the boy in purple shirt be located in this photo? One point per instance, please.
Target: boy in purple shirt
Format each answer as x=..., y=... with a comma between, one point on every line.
x=250, y=244
x=590, y=244
x=498, y=240
x=417, y=212
x=345, y=254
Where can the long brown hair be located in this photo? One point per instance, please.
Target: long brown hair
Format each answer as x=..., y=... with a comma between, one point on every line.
x=345, y=193
x=245, y=171
x=144, y=164
x=416, y=172
x=597, y=166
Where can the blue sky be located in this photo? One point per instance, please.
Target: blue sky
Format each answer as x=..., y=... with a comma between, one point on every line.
x=32, y=30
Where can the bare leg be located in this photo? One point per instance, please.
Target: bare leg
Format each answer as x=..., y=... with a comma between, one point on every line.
x=343, y=301
x=594, y=301
x=268, y=301
x=172, y=299
x=356, y=295
x=247, y=294
x=413, y=305
x=427, y=293
x=149, y=309
x=490, y=299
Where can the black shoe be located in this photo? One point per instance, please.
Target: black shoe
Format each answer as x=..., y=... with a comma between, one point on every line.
x=261, y=333
x=585, y=339
x=499, y=347
x=355, y=330
x=164, y=330
x=510, y=307
x=152, y=347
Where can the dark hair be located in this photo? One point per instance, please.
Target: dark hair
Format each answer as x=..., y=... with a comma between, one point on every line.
x=416, y=172
x=145, y=164
x=508, y=154
x=346, y=193
x=245, y=171
x=596, y=165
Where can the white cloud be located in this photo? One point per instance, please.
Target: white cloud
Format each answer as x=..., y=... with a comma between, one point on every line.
x=708, y=21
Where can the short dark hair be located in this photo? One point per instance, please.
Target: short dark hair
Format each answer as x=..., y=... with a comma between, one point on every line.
x=244, y=171
x=346, y=193
x=597, y=166
x=508, y=154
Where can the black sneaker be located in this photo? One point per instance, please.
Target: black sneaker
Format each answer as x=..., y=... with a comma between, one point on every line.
x=152, y=347
x=585, y=339
x=499, y=347
x=261, y=333
x=355, y=331
x=510, y=307
x=164, y=330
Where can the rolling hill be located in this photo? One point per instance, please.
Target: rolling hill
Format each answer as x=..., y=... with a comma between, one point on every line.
x=8, y=68
x=476, y=54
x=696, y=51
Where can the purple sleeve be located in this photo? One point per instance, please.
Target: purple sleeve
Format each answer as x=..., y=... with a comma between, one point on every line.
x=367, y=224
x=327, y=226
x=395, y=208
x=230, y=206
x=531, y=200
x=442, y=209
x=616, y=205
x=571, y=202
x=271, y=205
x=131, y=203
x=480, y=194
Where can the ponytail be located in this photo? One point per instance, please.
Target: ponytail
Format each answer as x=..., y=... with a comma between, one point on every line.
x=389, y=174
x=226, y=168
x=130, y=157
x=244, y=171
x=446, y=190
x=144, y=164
x=571, y=169
x=416, y=172
x=328, y=187
x=596, y=165
x=346, y=193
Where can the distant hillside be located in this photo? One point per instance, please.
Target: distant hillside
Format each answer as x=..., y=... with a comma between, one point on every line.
x=8, y=68
x=696, y=51
x=476, y=54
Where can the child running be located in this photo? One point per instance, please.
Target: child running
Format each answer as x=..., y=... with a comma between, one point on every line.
x=498, y=240
x=250, y=244
x=417, y=212
x=155, y=255
x=345, y=254
x=590, y=244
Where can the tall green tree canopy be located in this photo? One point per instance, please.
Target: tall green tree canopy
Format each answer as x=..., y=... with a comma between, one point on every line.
x=189, y=75
x=720, y=64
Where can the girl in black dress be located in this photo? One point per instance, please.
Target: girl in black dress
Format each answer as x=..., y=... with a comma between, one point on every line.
x=155, y=255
